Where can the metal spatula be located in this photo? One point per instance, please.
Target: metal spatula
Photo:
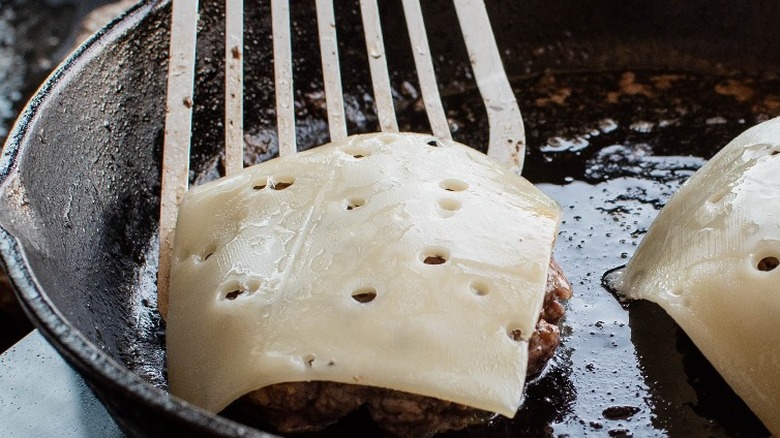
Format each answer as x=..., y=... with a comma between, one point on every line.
x=507, y=135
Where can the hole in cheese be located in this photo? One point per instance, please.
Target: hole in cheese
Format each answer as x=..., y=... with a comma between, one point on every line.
x=479, y=288
x=357, y=152
x=767, y=264
x=260, y=184
x=453, y=185
x=353, y=203
x=309, y=360
x=434, y=256
x=208, y=252
x=232, y=295
x=364, y=295
x=434, y=260
x=238, y=288
x=449, y=204
x=515, y=334
x=281, y=182
x=676, y=291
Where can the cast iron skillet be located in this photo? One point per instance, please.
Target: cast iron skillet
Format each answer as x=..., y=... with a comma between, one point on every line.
x=622, y=100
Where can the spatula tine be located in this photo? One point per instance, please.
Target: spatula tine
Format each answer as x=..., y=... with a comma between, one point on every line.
x=425, y=72
x=178, y=134
x=377, y=63
x=234, y=86
x=283, y=77
x=507, y=134
x=331, y=69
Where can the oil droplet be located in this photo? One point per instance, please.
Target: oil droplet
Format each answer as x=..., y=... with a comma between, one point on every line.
x=560, y=144
x=607, y=125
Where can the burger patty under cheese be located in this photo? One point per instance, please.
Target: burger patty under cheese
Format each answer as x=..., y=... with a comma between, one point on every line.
x=311, y=406
x=392, y=261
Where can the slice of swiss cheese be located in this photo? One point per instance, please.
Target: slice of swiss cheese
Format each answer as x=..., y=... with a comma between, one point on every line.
x=382, y=260
x=709, y=259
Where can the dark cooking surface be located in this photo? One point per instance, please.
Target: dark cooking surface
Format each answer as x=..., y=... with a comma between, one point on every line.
x=610, y=147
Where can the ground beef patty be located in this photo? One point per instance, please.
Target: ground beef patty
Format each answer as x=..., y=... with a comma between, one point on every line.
x=310, y=406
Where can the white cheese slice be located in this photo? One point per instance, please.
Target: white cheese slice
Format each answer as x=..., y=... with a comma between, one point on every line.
x=268, y=285
x=710, y=260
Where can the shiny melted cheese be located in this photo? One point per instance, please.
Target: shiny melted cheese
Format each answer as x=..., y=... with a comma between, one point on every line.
x=709, y=258
x=326, y=279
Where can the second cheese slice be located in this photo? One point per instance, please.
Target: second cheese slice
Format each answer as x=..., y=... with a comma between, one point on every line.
x=710, y=260
x=397, y=261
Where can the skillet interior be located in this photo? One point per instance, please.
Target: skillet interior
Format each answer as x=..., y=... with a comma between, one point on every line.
x=81, y=170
